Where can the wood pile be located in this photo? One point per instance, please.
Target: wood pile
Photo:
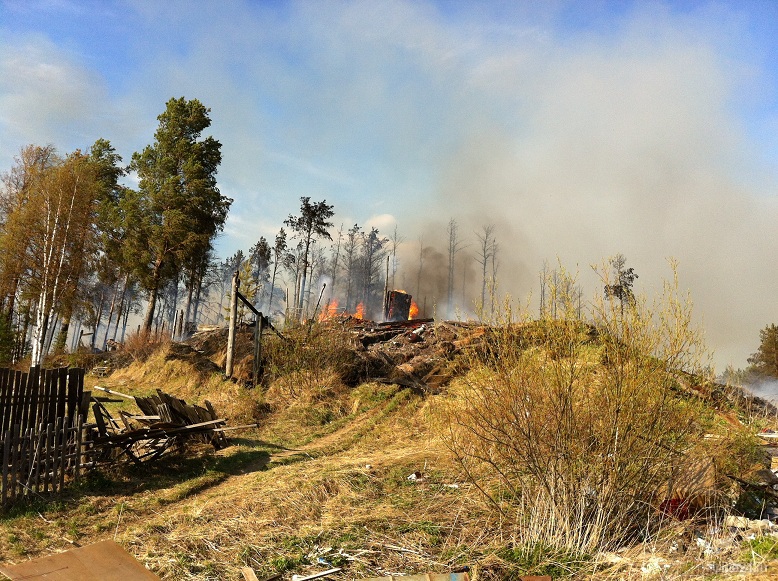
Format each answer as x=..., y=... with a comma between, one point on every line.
x=165, y=422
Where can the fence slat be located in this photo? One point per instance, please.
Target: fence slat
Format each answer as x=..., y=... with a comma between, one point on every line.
x=79, y=433
x=42, y=433
x=40, y=450
x=6, y=460
x=33, y=393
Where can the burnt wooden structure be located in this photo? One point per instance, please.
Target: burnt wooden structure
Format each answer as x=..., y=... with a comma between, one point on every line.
x=165, y=422
x=397, y=306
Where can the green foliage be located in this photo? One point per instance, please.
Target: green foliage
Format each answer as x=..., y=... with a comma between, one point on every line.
x=178, y=208
x=763, y=547
x=7, y=341
x=621, y=288
x=312, y=223
x=543, y=559
x=765, y=361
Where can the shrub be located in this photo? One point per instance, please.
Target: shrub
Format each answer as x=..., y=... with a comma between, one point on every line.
x=586, y=425
x=309, y=362
x=139, y=346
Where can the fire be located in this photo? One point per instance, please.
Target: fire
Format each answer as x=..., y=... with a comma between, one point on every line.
x=414, y=310
x=360, y=314
x=331, y=310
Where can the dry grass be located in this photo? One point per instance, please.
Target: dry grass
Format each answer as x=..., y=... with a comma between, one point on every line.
x=324, y=481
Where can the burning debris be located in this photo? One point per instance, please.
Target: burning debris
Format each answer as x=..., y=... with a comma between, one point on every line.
x=397, y=306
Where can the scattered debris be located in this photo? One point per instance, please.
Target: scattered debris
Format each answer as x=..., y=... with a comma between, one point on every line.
x=315, y=575
x=249, y=575
x=428, y=577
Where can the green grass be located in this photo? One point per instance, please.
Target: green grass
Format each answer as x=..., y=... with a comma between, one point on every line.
x=542, y=559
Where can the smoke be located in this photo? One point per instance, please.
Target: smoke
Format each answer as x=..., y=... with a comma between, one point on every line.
x=765, y=388
x=634, y=144
x=579, y=131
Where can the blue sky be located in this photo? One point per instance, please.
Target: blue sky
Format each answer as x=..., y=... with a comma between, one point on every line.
x=580, y=129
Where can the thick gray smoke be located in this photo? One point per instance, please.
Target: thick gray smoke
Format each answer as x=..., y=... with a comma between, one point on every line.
x=579, y=130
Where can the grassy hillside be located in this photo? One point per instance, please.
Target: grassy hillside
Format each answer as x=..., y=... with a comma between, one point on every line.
x=504, y=429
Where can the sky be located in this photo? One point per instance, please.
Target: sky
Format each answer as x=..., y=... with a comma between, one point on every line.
x=580, y=129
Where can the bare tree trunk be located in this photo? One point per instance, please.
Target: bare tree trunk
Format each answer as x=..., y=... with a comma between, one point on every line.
x=155, y=277
x=121, y=305
x=110, y=316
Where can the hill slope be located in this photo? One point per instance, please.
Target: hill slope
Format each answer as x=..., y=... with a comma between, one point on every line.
x=346, y=420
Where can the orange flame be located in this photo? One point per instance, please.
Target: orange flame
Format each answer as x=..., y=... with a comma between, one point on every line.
x=413, y=313
x=331, y=310
x=360, y=314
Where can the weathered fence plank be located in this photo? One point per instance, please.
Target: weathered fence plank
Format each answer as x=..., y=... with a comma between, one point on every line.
x=41, y=431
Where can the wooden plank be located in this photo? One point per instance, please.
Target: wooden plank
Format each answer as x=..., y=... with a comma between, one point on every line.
x=40, y=450
x=50, y=388
x=79, y=377
x=73, y=399
x=6, y=461
x=62, y=391
x=79, y=441
x=15, y=401
x=13, y=470
x=24, y=409
x=63, y=450
x=86, y=398
x=22, y=475
x=427, y=577
x=146, y=406
x=34, y=394
x=104, y=561
x=113, y=392
x=47, y=462
x=97, y=411
x=248, y=574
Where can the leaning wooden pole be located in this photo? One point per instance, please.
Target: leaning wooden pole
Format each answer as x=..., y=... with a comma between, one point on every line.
x=257, y=371
x=233, y=325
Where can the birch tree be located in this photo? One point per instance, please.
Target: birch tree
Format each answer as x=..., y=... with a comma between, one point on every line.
x=66, y=200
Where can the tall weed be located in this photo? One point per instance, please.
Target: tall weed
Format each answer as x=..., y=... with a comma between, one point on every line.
x=576, y=430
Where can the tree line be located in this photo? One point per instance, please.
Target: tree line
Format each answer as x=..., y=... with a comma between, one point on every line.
x=82, y=252
x=79, y=246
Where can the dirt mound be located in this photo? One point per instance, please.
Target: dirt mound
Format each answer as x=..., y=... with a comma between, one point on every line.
x=413, y=354
x=186, y=353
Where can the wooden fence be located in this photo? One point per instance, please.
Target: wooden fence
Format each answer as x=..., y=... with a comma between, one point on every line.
x=42, y=437
x=28, y=400
x=42, y=460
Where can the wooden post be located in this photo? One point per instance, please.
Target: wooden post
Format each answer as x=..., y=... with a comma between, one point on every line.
x=384, y=307
x=233, y=324
x=260, y=326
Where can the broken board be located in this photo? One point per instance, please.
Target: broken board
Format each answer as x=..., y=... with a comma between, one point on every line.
x=104, y=561
x=427, y=577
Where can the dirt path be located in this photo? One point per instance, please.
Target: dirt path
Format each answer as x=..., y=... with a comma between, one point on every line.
x=321, y=444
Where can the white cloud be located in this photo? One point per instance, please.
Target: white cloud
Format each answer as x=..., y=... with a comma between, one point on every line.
x=46, y=96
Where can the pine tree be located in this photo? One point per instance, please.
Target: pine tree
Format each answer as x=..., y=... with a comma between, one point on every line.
x=178, y=208
x=765, y=360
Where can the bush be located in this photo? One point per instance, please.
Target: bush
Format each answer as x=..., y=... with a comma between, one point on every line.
x=139, y=346
x=309, y=362
x=585, y=426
